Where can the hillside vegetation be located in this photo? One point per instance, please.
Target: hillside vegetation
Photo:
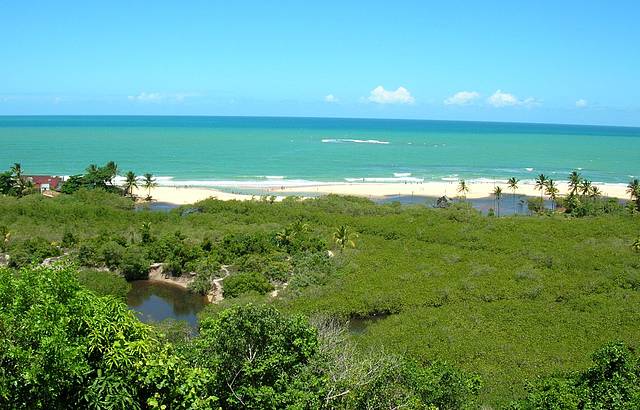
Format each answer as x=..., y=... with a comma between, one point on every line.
x=513, y=300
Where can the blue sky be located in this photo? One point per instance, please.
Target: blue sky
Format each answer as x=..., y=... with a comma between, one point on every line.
x=545, y=61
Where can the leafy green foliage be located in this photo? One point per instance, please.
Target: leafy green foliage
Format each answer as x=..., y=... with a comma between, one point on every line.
x=244, y=282
x=134, y=264
x=94, y=177
x=613, y=382
x=65, y=347
x=508, y=298
x=104, y=283
x=262, y=359
x=30, y=251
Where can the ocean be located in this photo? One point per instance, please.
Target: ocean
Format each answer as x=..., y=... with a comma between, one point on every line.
x=259, y=152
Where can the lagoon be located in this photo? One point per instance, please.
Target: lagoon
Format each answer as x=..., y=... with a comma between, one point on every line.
x=157, y=301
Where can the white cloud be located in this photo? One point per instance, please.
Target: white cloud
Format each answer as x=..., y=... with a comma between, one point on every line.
x=581, y=103
x=502, y=99
x=331, y=98
x=146, y=97
x=462, y=98
x=400, y=96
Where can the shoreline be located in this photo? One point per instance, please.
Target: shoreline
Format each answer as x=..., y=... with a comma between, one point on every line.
x=185, y=195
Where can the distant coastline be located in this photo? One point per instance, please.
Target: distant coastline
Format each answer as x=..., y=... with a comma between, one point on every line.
x=182, y=195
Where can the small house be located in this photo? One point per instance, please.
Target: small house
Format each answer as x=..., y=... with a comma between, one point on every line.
x=45, y=182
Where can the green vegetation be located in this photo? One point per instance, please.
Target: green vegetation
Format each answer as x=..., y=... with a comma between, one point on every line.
x=104, y=283
x=65, y=347
x=245, y=282
x=458, y=309
x=94, y=177
x=613, y=382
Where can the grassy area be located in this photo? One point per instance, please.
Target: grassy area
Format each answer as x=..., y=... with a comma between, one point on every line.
x=510, y=298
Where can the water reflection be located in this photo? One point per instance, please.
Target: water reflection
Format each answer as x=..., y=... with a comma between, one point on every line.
x=157, y=301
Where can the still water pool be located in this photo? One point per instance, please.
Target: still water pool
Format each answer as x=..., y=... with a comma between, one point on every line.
x=156, y=301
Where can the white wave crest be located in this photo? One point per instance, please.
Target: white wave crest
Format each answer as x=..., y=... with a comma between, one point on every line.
x=354, y=141
x=386, y=180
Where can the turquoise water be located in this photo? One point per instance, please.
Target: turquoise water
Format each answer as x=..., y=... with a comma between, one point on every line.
x=220, y=151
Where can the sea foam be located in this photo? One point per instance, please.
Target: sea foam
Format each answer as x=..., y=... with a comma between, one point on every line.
x=354, y=141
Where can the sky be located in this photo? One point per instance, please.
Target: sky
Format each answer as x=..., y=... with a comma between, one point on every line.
x=555, y=61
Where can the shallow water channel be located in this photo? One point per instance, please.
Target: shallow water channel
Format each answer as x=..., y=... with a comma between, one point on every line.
x=156, y=301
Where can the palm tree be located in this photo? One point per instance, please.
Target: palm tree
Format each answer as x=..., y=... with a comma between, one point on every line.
x=343, y=237
x=552, y=191
x=636, y=244
x=16, y=169
x=594, y=192
x=130, y=182
x=497, y=193
x=513, y=184
x=112, y=168
x=540, y=183
x=574, y=182
x=633, y=189
x=20, y=182
x=585, y=187
x=463, y=188
x=149, y=182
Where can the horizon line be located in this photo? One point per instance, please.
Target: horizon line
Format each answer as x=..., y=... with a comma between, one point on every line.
x=319, y=117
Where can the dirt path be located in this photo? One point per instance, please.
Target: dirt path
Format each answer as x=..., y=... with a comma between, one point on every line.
x=216, y=294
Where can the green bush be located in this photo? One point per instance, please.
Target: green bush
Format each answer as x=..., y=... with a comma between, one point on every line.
x=30, y=251
x=88, y=255
x=104, y=283
x=173, y=266
x=65, y=347
x=201, y=284
x=111, y=254
x=243, y=282
x=262, y=359
x=239, y=244
x=208, y=265
x=613, y=382
x=69, y=239
x=274, y=266
x=134, y=265
x=311, y=269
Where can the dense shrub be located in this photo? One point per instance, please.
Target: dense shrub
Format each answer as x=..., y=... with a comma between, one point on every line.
x=240, y=244
x=311, y=269
x=65, y=347
x=262, y=359
x=243, y=282
x=68, y=239
x=88, y=254
x=134, y=265
x=202, y=283
x=104, y=283
x=209, y=265
x=33, y=250
x=613, y=382
x=111, y=254
x=174, y=251
x=274, y=266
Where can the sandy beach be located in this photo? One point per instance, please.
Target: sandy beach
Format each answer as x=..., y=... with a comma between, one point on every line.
x=437, y=189
x=188, y=195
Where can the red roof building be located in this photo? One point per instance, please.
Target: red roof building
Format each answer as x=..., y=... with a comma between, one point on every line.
x=45, y=182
